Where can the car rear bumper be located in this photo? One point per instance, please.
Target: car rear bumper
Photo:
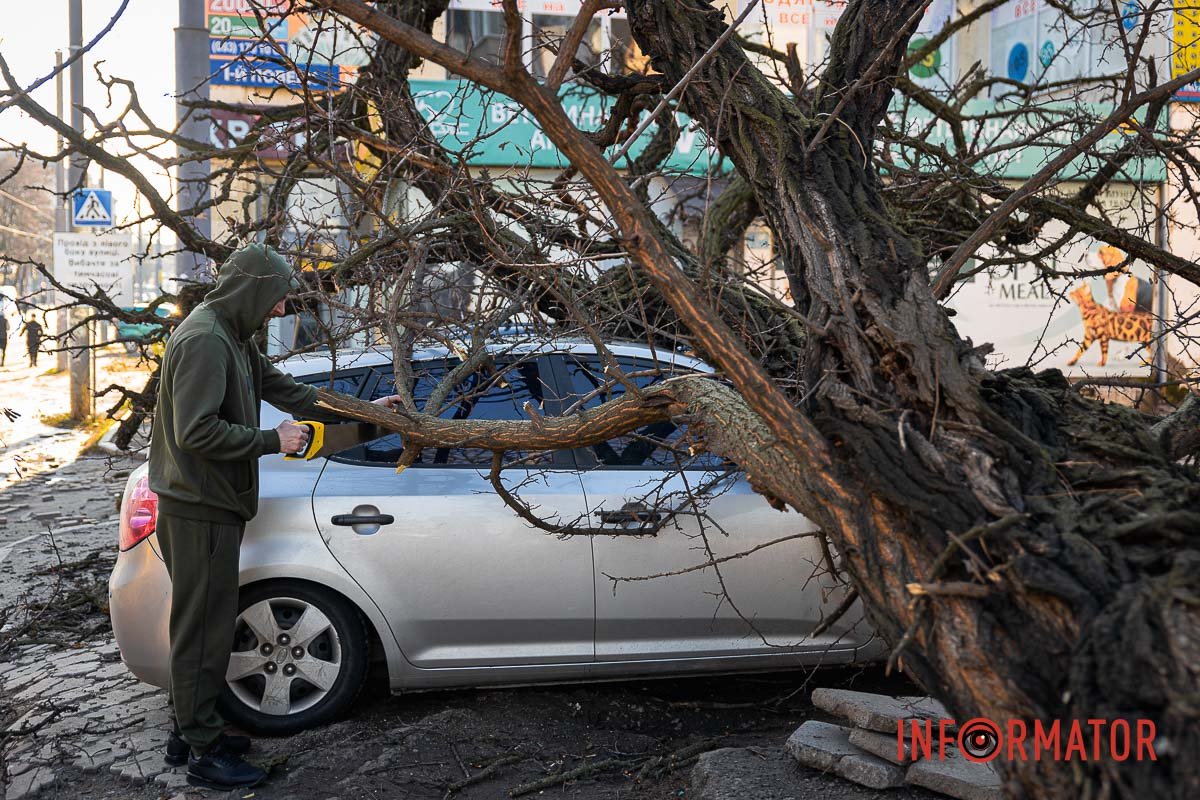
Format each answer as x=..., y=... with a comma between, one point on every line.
x=139, y=601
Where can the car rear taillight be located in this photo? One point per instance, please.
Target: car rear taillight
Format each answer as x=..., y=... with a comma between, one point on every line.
x=139, y=512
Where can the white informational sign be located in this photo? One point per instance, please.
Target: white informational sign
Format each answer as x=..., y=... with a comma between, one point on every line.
x=826, y=14
x=1094, y=325
x=809, y=24
x=1035, y=42
x=559, y=8
x=779, y=24
x=331, y=41
x=85, y=261
x=937, y=70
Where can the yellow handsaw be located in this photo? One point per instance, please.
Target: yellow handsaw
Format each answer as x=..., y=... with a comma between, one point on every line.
x=327, y=439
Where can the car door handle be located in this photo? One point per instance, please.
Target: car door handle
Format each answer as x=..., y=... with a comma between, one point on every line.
x=350, y=520
x=624, y=517
x=647, y=519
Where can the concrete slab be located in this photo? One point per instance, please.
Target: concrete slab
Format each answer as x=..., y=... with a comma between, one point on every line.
x=174, y=779
x=820, y=745
x=870, y=771
x=957, y=777
x=876, y=712
x=734, y=773
x=29, y=784
x=883, y=746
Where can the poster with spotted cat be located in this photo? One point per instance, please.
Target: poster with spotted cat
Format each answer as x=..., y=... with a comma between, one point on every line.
x=1085, y=308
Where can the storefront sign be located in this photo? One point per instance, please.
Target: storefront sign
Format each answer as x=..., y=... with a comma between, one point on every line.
x=1186, y=51
x=277, y=142
x=490, y=129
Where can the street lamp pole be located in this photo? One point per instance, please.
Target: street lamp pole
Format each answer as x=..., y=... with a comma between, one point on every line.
x=61, y=223
x=191, y=84
x=79, y=342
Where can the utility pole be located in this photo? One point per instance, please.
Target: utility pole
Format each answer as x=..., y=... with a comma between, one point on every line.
x=191, y=83
x=61, y=224
x=80, y=341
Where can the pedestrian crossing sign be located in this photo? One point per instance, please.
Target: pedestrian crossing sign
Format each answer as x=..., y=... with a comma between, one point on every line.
x=93, y=208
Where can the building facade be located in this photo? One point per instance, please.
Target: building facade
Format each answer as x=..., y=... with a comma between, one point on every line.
x=1033, y=58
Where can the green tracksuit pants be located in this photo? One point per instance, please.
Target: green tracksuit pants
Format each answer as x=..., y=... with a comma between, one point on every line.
x=202, y=559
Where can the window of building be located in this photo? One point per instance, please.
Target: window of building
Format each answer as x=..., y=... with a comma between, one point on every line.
x=477, y=27
x=477, y=33
x=549, y=30
x=1039, y=43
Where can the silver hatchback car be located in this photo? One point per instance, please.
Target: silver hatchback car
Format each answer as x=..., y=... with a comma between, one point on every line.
x=432, y=572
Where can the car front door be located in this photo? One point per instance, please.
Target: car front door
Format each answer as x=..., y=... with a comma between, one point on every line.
x=697, y=564
x=462, y=580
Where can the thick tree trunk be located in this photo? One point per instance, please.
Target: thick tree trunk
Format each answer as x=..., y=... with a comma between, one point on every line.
x=1082, y=535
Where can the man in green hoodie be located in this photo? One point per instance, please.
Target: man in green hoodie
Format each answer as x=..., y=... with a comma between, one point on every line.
x=204, y=451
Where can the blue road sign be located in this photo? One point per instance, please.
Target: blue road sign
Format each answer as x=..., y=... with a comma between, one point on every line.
x=92, y=208
x=256, y=72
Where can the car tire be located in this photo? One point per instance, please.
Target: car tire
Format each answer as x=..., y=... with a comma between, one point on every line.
x=289, y=686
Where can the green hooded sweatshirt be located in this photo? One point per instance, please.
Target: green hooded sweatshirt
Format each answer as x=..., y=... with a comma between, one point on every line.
x=205, y=441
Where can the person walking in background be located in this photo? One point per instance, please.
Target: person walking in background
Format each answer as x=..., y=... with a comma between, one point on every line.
x=3, y=337
x=33, y=338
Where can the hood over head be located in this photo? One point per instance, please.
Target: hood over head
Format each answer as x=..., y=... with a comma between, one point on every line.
x=250, y=282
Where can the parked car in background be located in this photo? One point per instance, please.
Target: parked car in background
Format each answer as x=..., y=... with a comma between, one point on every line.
x=131, y=334
x=430, y=571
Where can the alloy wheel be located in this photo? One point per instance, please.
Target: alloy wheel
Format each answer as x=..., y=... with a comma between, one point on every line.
x=287, y=656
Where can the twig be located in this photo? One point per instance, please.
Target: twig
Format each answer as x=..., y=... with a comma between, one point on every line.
x=485, y=773
x=466, y=773
x=559, y=778
x=837, y=614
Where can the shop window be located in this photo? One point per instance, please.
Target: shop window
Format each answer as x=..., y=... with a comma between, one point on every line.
x=549, y=30
x=477, y=33
x=624, y=55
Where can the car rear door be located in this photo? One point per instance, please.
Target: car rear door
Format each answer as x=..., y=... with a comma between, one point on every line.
x=462, y=580
x=664, y=588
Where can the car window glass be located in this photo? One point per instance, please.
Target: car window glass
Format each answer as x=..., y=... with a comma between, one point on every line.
x=488, y=395
x=342, y=382
x=661, y=445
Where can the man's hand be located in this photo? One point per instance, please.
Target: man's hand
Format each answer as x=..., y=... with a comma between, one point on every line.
x=293, y=438
x=390, y=402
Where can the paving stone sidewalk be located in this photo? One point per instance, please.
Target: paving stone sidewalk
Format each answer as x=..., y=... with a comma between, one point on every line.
x=84, y=710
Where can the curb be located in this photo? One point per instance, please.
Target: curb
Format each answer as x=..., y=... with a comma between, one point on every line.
x=105, y=444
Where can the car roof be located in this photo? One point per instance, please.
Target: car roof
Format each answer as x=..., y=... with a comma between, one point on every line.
x=323, y=361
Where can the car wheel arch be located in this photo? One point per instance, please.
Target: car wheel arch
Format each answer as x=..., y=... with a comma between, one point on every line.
x=379, y=633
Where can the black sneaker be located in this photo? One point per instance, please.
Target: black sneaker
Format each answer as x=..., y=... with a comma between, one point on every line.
x=177, y=749
x=222, y=770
